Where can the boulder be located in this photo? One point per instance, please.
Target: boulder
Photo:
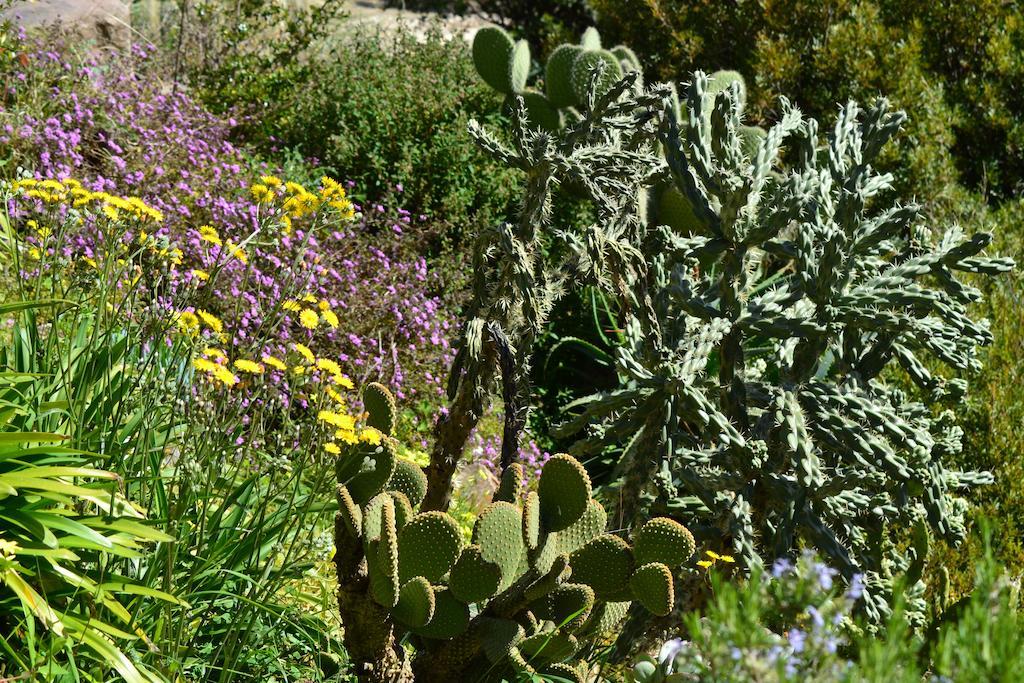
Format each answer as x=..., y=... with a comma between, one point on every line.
x=102, y=22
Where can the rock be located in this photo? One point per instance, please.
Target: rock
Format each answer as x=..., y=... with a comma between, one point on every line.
x=102, y=22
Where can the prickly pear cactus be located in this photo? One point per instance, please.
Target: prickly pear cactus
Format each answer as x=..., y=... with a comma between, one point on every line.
x=541, y=580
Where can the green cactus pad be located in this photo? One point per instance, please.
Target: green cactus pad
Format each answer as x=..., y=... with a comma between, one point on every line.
x=408, y=478
x=750, y=140
x=568, y=606
x=510, y=487
x=564, y=490
x=545, y=553
x=531, y=520
x=652, y=587
x=584, y=64
x=451, y=617
x=587, y=527
x=428, y=546
x=498, y=637
x=549, y=647
x=549, y=581
x=567, y=672
x=372, y=517
x=492, y=57
x=380, y=407
x=558, y=76
x=676, y=211
x=387, y=556
x=519, y=68
x=403, y=509
x=605, y=564
x=415, y=606
x=499, y=533
x=541, y=112
x=606, y=617
x=474, y=579
x=591, y=39
x=720, y=81
x=625, y=54
x=350, y=513
x=663, y=540
x=376, y=469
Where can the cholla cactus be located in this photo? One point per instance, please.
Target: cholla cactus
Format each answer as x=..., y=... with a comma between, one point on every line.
x=540, y=582
x=755, y=397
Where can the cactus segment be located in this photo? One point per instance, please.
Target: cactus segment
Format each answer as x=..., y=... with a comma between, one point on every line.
x=531, y=520
x=558, y=76
x=428, y=546
x=625, y=54
x=606, y=617
x=605, y=564
x=510, y=487
x=563, y=671
x=568, y=606
x=408, y=478
x=676, y=211
x=350, y=513
x=519, y=67
x=474, y=579
x=492, y=57
x=652, y=587
x=549, y=647
x=499, y=637
x=403, y=510
x=415, y=606
x=372, y=517
x=499, y=533
x=451, y=617
x=564, y=490
x=380, y=408
x=751, y=138
x=378, y=464
x=587, y=527
x=721, y=81
x=540, y=111
x=585, y=63
x=591, y=39
x=663, y=540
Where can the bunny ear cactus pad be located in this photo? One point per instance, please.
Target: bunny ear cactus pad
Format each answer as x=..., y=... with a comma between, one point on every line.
x=564, y=671
x=564, y=490
x=606, y=617
x=372, y=517
x=720, y=81
x=510, y=487
x=474, y=579
x=568, y=606
x=415, y=606
x=531, y=520
x=451, y=617
x=652, y=586
x=591, y=39
x=502, y=63
x=377, y=466
x=428, y=546
x=499, y=637
x=382, y=558
x=751, y=138
x=408, y=478
x=549, y=647
x=380, y=407
x=558, y=75
x=541, y=112
x=587, y=527
x=499, y=533
x=663, y=540
x=624, y=54
x=403, y=509
x=350, y=513
x=605, y=564
x=585, y=63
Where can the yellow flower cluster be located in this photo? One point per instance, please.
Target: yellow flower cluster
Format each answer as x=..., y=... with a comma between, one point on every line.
x=310, y=317
x=714, y=557
x=297, y=201
x=191, y=324
x=216, y=371
x=71, y=193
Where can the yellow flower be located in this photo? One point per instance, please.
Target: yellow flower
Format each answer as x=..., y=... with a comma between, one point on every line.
x=332, y=448
x=249, y=366
x=304, y=352
x=274, y=363
x=90, y=261
x=330, y=318
x=211, y=321
x=295, y=188
x=205, y=365
x=712, y=554
x=211, y=352
x=728, y=558
x=347, y=435
x=298, y=370
x=238, y=252
x=188, y=322
x=225, y=376
x=324, y=305
x=705, y=563
x=336, y=419
x=201, y=275
x=309, y=298
x=175, y=257
x=335, y=396
x=308, y=318
x=207, y=233
x=286, y=221
x=345, y=382
x=328, y=366
x=291, y=306
x=270, y=180
x=263, y=194
x=371, y=436
x=110, y=212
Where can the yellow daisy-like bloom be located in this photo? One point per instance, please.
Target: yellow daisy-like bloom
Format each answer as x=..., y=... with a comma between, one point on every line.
x=332, y=448
x=337, y=419
x=263, y=194
x=345, y=382
x=252, y=367
x=211, y=352
x=330, y=318
x=727, y=558
x=286, y=221
x=110, y=212
x=238, y=253
x=324, y=305
x=309, y=298
x=175, y=256
x=308, y=318
x=205, y=365
x=705, y=563
x=274, y=363
x=304, y=352
x=90, y=262
x=299, y=370
x=712, y=554
x=335, y=396
x=328, y=366
x=210, y=320
x=225, y=376
x=271, y=181
x=293, y=306
x=371, y=436
x=347, y=435
x=200, y=275
x=295, y=188
x=188, y=322
x=208, y=233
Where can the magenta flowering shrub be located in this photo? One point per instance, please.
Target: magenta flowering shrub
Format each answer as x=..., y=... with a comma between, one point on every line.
x=112, y=123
